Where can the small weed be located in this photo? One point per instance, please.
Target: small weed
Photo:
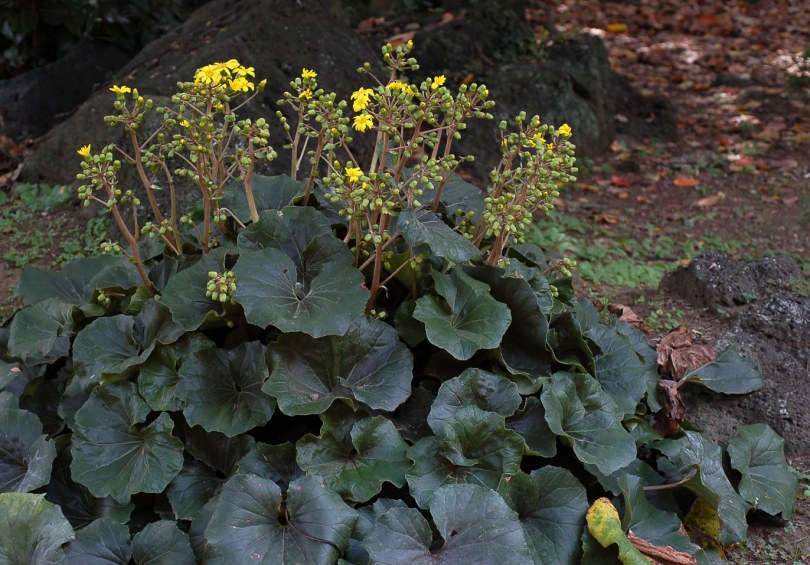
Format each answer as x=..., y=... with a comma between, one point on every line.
x=43, y=197
x=664, y=320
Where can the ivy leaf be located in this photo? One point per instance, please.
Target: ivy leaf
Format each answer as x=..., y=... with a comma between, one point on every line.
x=274, y=462
x=758, y=453
x=694, y=452
x=321, y=300
x=111, y=345
x=26, y=455
x=618, y=368
x=251, y=522
x=222, y=389
x=423, y=227
x=488, y=391
x=355, y=459
x=605, y=526
x=477, y=448
x=468, y=319
x=159, y=375
x=530, y=422
x=368, y=364
x=162, y=543
x=578, y=409
x=728, y=374
x=475, y=524
x=269, y=192
x=78, y=280
x=32, y=530
x=114, y=456
x=185, y=297
x=551, y=505
x=193, y=486
x=41, y=332
x=102, y=542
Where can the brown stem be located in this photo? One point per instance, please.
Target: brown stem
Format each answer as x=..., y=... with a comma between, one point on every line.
x=314, y=171
x=178, y=246
x=144, y=178
x=254, y=214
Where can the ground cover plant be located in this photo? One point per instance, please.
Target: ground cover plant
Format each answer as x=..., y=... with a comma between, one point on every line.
x=363, y=360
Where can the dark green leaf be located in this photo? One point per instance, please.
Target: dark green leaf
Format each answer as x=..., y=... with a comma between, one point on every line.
x=185, y=294
x=694, y=452
x=409, y=329
x=216, y=449
x=458, y=194
x=323, y=300
x=162, y=543
x=32, y=530
x=222, y=390
x=251, y=523
x=274, y=462
x=355, y=460
x=103, y=542
x=649, y=358
x=114, y=456
x=466, y=320
x=159, y=375
x=486, y=390
x=758, y=453
x=423, y=227
x=268, y=192
x=728, y=374
x=291, y=230
x=191, y=489
x=78, y=280
x=476, y=449
x=26, y=455
x=578, y=409
x=530, y=422
x=619, y=369
x=41, y=332
x=476, y=526
x=551, y=505
x=368, y=364
x=567, y=344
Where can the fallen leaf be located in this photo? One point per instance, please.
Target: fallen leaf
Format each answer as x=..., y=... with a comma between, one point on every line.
x=791, y=200
x=369, y=24
x=619, y=181
x=625, y=314
x=673, y=409
x=710, y=201
x=661, y=555
x=679, y=355
x=685, y=182
x=607, y=219
x=617, y=28
x=400, y=39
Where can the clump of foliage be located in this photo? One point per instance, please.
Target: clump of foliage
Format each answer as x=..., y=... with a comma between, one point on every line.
x=361, y=361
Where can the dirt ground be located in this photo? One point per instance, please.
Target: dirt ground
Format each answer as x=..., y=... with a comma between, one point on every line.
x=737, y=178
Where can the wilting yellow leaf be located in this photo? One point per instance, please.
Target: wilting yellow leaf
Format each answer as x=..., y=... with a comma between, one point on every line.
x=605, y=525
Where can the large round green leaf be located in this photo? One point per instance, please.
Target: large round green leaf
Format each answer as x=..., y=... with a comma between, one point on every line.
x=423, y=227
x=291, y=230
x=321, y=300
x=465, y=319
x=113, y=455
x=251, y=523
x=193, y=486
x=185, y=293
x=578, y=409
x=475, y=524
x=274, y=462
x=488, y=391
x=268, y=192
x=103, y=542
x=695, y=452
x=217, y=450
x=551, y=505
x=619, y=369
x=41, y=332
x=355, y=459
x=368, y=364
x=758, y=453
x=111, y=345
x=477, y=448
x=530, y=422
x=222, y=389
x=32, y=530
x=162, y=543
x=729, y=374
x=25, y=454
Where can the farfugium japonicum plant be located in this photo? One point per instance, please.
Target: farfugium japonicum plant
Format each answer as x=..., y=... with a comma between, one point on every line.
x=358, y=361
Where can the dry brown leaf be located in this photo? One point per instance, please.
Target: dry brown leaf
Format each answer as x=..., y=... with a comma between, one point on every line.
x=710, y=201
x=673, y=409
x=685, y=182
x=678, y=355
x=626, y=315
x=369, y=24
x=661, y=555
x=619, y=181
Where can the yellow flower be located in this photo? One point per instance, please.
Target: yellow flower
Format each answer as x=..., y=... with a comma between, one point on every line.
x=249, y=71
x=437, y=82
x=363, y=122
x=84, y=151
x=209, y=74
x=360, y=98
x=120, y=89
x=565, y=130
x=230, y=64
x=241, y=84
x=401, y=86
x=354, y=173
x=306, y=94
x=308, y=73
x=539, y=137
x=183, y=123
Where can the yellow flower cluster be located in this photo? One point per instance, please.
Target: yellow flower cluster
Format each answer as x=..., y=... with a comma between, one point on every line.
x=361, y=98
x=230, y=74
x=84, y=151
x=120, y=89
x=354, y=173
x=362, y=122
x=565, y=130
x=437, y=82
x=308, y=73
x=401, y=86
